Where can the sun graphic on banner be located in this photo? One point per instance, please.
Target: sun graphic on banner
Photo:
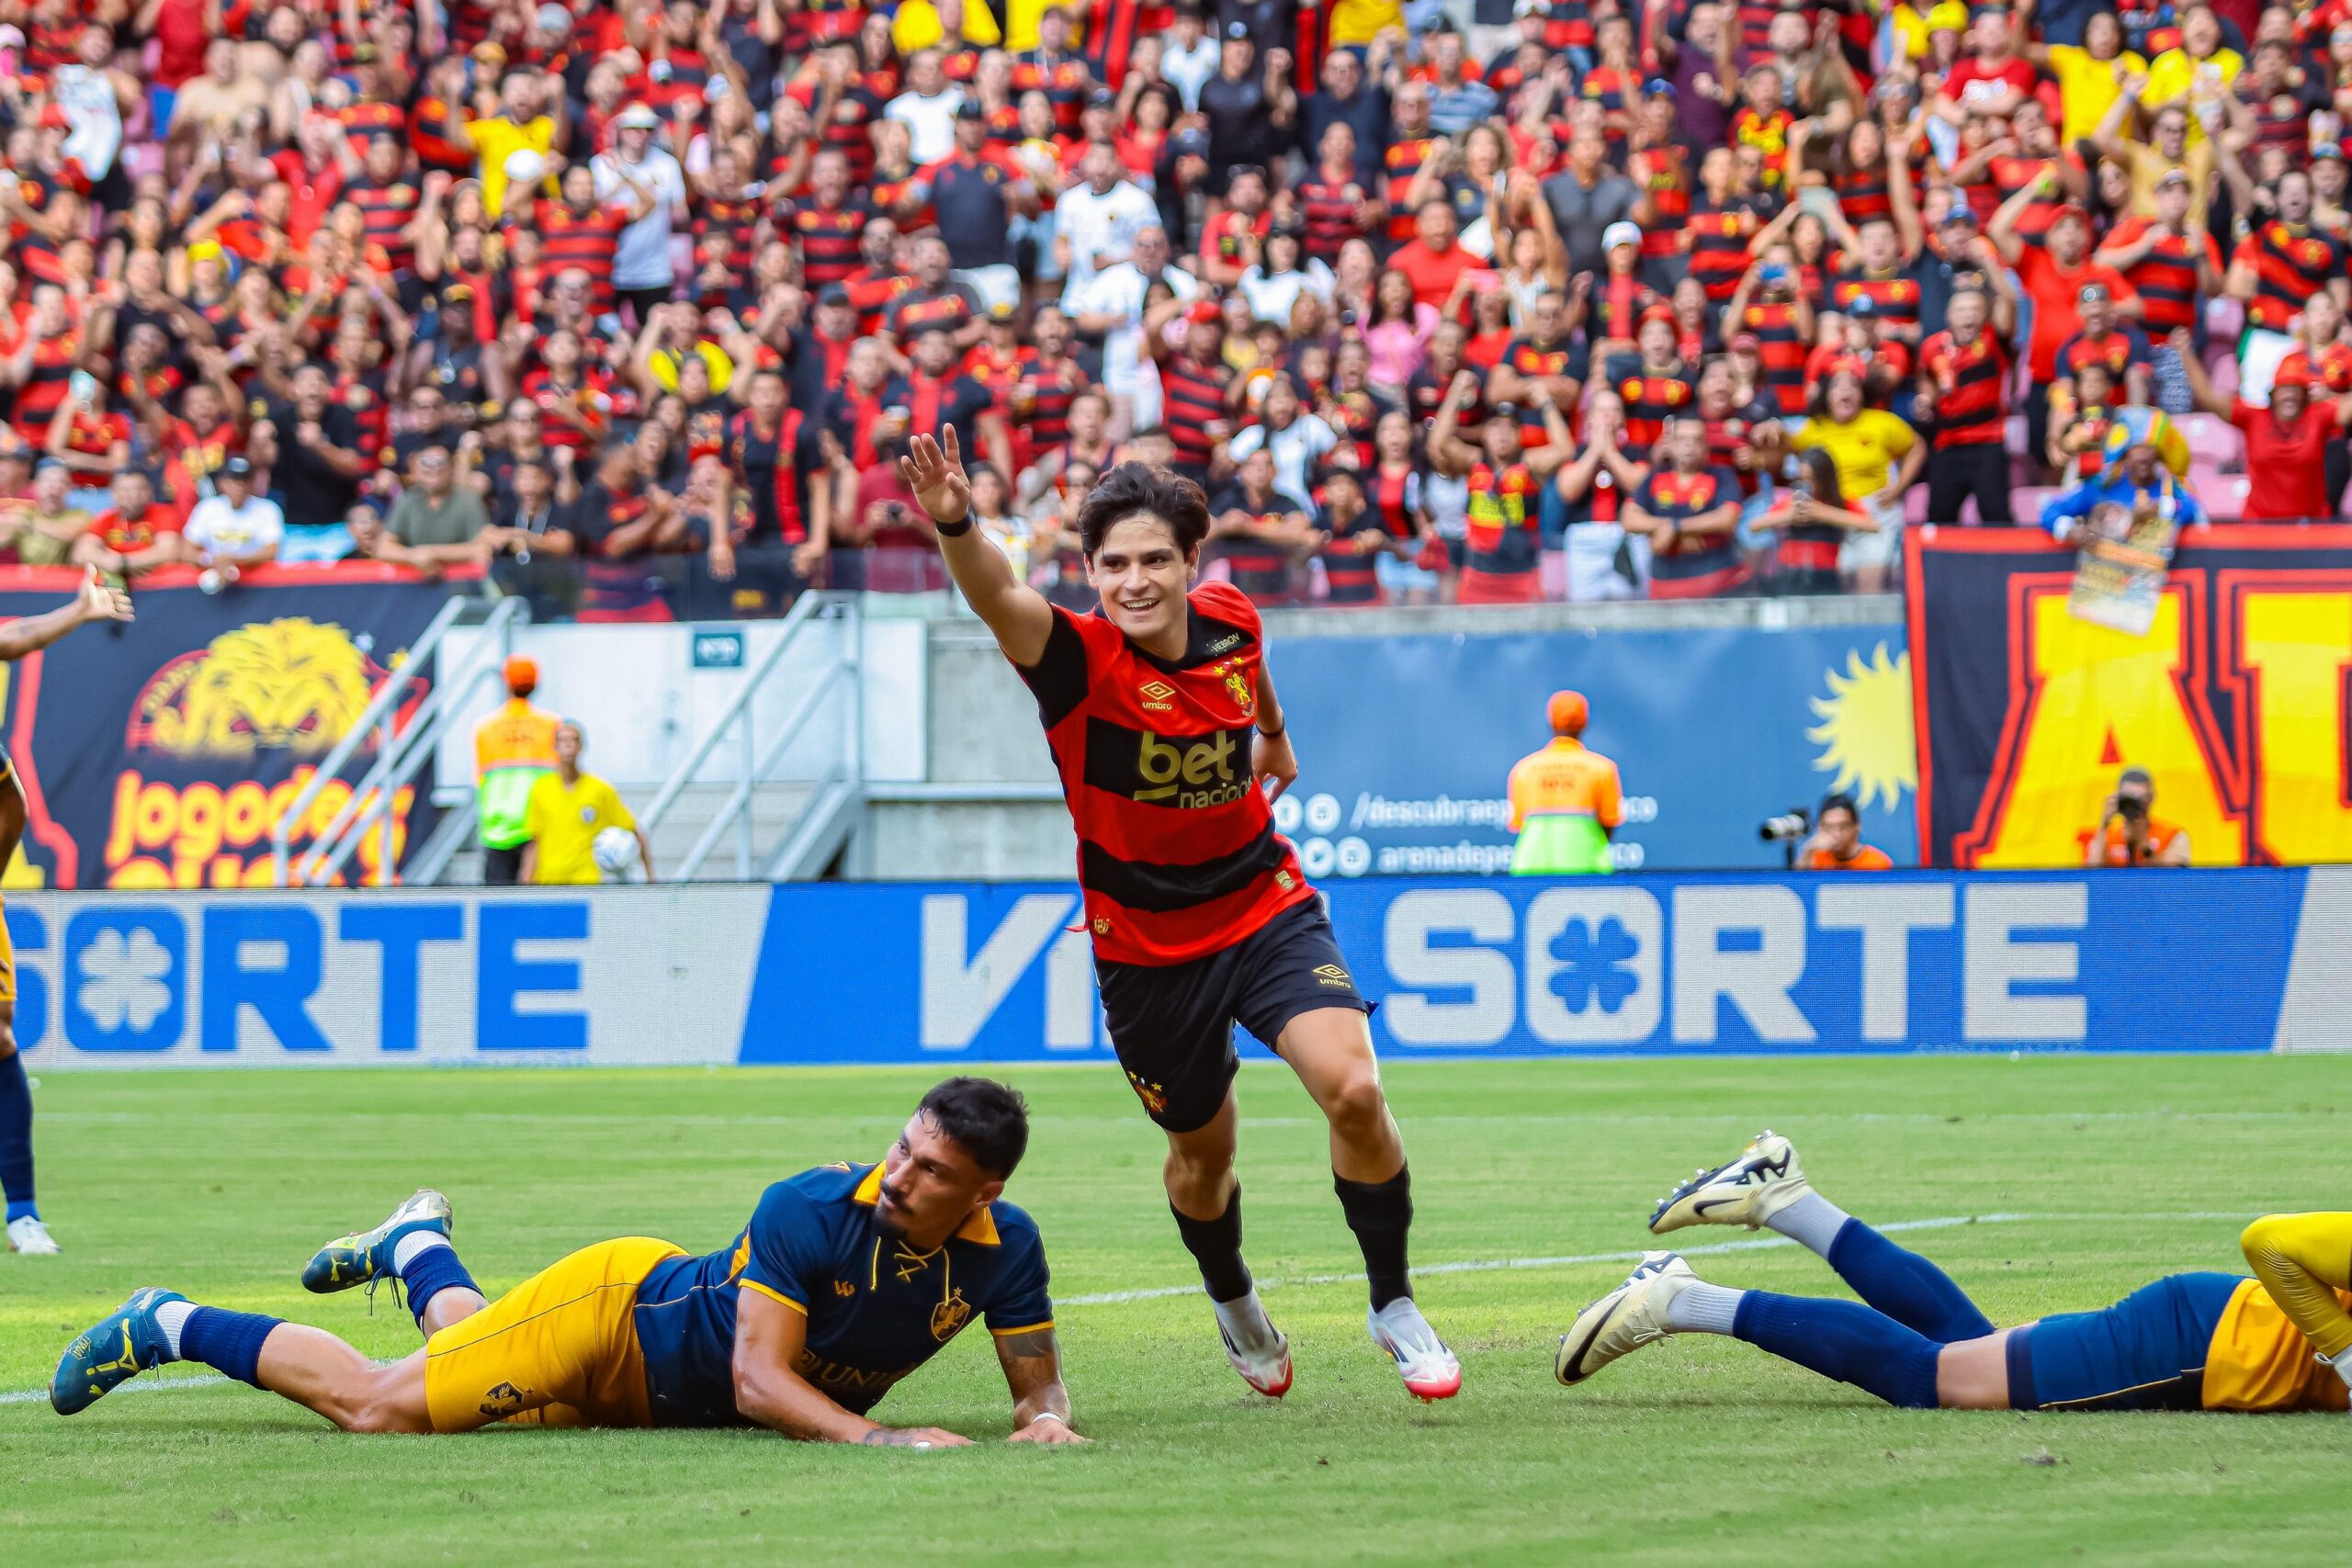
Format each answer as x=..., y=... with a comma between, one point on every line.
x=1865, y=732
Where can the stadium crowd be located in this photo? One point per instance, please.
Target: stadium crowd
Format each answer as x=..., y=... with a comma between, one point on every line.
x=1584, y=301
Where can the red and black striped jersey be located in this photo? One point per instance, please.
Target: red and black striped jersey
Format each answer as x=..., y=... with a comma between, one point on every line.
x=1505, y=521
x=387, y=209
x=1177, y=852
x=1399, y=165
x=1191, y=396
x=2291, y=262
x=586, y=241
x=1666, y=493
x=1348, y=567
x=1863, y=195
x=2166, y=276
x=1664, y=173
x=1783, y=353
x=1718, y=245
x=1971, y=388
x=1333, y=212
x=1894, y=296
x=1651, y=398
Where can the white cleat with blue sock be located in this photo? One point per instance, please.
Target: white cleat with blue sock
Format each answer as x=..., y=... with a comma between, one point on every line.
x=30, y=1237
x=1748, y=1190
x=1632, y=1315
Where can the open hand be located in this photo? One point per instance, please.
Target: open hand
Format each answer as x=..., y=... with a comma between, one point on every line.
x=913, y=1438
x=936, y=475
x=101, y=601
x=1271, y=758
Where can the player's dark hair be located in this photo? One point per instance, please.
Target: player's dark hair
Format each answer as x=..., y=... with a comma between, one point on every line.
x=1840, y=802
x=1134, y=489
x=984, y=1118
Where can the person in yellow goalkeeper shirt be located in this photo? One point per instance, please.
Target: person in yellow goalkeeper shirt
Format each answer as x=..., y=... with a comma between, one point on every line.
x=1564, y=801
x=2200, y=1341
x=568, y=808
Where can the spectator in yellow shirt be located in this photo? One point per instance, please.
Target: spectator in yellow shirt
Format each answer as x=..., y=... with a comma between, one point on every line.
x=568, y=808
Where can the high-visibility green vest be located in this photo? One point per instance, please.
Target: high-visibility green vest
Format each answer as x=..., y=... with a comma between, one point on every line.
x=514, y=749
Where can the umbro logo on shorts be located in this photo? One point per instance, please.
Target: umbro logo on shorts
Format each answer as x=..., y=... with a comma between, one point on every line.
x=1333, y=974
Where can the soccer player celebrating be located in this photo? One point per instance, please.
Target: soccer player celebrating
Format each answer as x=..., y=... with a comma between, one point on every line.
x=2203, y=1341
x=1200, y=914
x=848, y=1278
x=96, y=601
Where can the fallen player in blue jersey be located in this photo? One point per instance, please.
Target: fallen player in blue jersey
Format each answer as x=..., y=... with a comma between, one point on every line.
x=848, y=1278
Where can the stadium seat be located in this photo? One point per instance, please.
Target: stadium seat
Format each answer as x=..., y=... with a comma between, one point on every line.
x=2223, y=318
x=2224, y=371
x=2222, y=496
x=2013, y=435
x=2213, y=443
x=2026, y=502
x=1915, y=506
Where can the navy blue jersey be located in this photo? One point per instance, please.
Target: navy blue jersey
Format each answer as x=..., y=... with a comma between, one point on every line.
x=877, y=1309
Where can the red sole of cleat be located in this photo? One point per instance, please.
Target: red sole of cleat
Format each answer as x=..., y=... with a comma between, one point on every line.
x=1432, y=1393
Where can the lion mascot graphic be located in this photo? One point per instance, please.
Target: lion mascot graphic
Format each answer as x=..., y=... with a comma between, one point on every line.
x=292, y=685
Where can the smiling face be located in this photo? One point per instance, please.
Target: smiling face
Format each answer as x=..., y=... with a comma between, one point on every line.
x=1142, y=577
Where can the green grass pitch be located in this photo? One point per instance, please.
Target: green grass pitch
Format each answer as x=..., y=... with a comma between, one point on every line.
x=2088, y=1178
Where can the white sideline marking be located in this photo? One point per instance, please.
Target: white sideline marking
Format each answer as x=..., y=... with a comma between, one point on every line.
x=1475, y=1266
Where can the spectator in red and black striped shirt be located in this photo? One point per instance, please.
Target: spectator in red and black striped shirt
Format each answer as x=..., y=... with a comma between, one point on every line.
x=1965, y=394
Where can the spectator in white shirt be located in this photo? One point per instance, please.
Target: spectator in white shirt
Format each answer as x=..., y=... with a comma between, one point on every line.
x=644, y=271
x=235, y=527
x=1190, y=55
x=1111, y=304
x=1297, y=439
x=927, y=108
x=1096, y=222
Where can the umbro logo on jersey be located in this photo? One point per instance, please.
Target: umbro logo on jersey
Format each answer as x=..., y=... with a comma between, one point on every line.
x=1154, y=695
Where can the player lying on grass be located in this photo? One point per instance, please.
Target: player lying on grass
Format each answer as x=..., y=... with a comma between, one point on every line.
x=2205, y=1341
x=848, y=1278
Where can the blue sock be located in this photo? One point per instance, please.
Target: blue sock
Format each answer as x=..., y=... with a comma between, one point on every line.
x=1846, y=1341
x=17, y=1137
x=429, y=1273
x=226, y=1341
x=1905, y=1286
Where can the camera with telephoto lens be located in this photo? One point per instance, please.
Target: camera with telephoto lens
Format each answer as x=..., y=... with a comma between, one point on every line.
x=2132, y=808
x=1794, y=824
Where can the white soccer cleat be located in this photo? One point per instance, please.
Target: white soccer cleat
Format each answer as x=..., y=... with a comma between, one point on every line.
x=1632, y=1315
x=1257, y=1350
x=1430, y=1371
x=29, y=1236
x=1751, y=1190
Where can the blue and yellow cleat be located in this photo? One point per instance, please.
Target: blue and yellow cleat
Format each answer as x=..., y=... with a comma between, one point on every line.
x=125, y=1343
x=366, y=1257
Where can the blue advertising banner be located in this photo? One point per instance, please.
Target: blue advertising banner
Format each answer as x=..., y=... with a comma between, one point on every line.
x=1405, y=741
x=963, y=972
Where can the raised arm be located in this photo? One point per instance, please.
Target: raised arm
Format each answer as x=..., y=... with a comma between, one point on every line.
x=2201, y=390
x=1016, y=612
x=96, y=601
x=770, y=1333
x=1032, y=1372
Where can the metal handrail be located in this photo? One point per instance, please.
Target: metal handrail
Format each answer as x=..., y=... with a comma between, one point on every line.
x=371, y=804
x=803, y=611
x=737, y=807
x=381, y=707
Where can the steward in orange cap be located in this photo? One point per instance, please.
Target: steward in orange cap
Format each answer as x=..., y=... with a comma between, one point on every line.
x=514, y=749
x=1564, y=801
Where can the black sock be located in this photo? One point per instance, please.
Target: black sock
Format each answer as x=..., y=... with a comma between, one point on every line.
x=1380, y=1213
x=1216, y=1246
x=17, y=1136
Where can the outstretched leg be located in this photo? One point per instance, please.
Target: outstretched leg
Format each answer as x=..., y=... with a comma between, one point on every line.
x=1839, y=1339
x=309, y=1366
x=1766, y=1185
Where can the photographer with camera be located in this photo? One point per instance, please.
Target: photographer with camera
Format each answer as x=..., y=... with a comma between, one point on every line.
x=1835, y=843
x=2129, y=834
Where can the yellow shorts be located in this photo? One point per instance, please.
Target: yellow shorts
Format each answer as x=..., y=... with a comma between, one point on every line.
x=559, y=1350
x=7, y=963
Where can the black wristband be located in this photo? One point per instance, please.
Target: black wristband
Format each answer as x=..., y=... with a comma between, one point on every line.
x=956, y=530
x=1273, y=734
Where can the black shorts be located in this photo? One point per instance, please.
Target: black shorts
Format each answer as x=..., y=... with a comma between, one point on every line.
x=1173, y=1025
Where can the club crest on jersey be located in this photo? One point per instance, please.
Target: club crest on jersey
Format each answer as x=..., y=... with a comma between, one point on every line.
x=949, y=1316
x=1237, y=686
x=504, y=1400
